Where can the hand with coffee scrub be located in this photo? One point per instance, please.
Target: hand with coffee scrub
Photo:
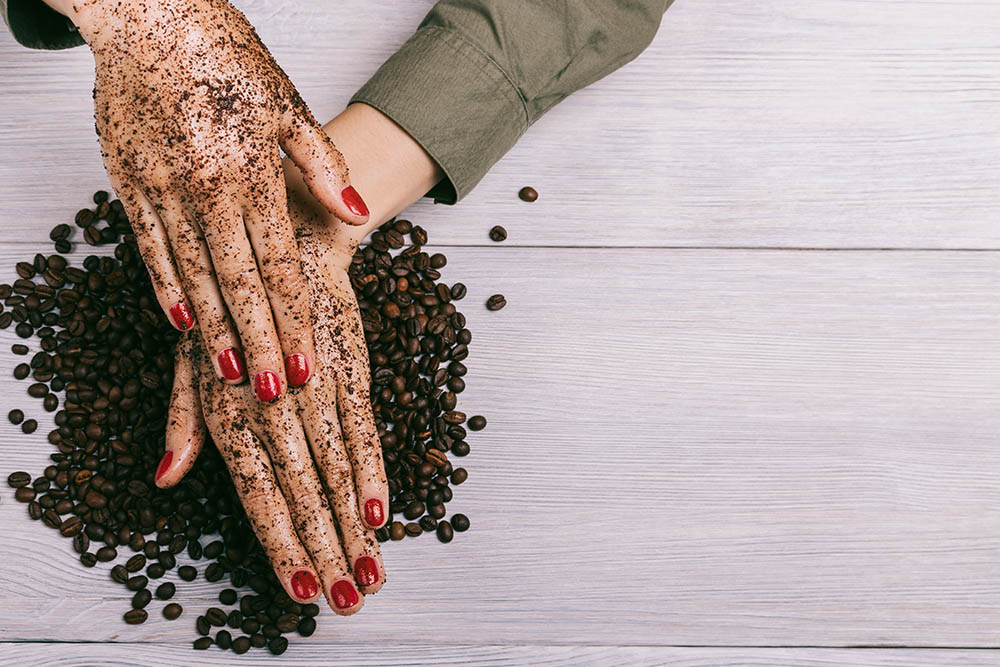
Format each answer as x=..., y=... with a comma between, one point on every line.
x=191, y=128
x=191, y=110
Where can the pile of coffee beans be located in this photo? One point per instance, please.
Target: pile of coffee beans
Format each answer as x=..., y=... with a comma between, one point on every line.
x=106, y=349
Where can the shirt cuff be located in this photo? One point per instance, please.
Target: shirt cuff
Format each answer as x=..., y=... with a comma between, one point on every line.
x=454, y=100
x=36, y=25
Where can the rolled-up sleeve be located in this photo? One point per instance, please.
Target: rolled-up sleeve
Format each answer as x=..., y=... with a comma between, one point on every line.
x=36, y=25
x=478, y=73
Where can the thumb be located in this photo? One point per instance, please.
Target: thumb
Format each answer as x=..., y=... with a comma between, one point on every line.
x=323, y=168
x=185, y=423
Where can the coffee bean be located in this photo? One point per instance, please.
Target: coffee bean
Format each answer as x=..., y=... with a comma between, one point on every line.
x=119, y=574
x=187, y=573
x=136, y=616
x=172, y=611
x=84, y=217
x=235, y=619
x=241, y=645
x=60, y=232
x=444, y=532
x=24, y=494
x=496, y=302
x=38, y=390
x=278, y=645
x=141, y=598
x=134, y=583
x=19, y=349
x=227, y=596
x=155, y=571
x=498, y=234
x=135, y=563
x=165, y=591
x=202, y=625
x=81, y=543
x=459, y=475
x=202, y=643
x=22, y=371
x=29, y=426
x=216, y=616
x=528, y=194
x=460, y=523
x=427, y=523
x=51, y=519
x=413, y=510
x=88, y=559
x=50, y=403
x=414, y=529
x=17, y=480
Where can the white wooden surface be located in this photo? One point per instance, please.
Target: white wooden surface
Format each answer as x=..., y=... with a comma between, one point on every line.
x=745, y=391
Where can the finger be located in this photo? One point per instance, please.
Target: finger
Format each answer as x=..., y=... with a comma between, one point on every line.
x=296, y=473
x=339, y=479
x=273, y=239
x=238, y=280
x=322, y=165
x=268, y=512
x=202, y=287
x=185, y=423
x=154, y=247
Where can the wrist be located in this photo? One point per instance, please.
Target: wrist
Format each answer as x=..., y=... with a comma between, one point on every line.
x=388, y=167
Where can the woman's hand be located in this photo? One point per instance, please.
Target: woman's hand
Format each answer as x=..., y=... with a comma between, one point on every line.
x=191, y=110
x=311, y=463
x=320, y=442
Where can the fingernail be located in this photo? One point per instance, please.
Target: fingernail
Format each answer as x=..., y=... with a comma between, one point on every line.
x=297, y=369
x=304, y=585
x=374, y=514
x=366, y=571
x=165, y=462
x=181, y=315
x=344, y=594
x=231, y=363
x=267, y=384
x=354, y=201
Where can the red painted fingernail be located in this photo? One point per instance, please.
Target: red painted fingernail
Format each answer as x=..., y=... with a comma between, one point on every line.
x=374, y=514
x=267, y=384
x=164, y=464
x=354, y=201
x=344, y=594
x=181, y=315
x=304, y=585
x=366, y=571
x=231, y=363
x=297, y=369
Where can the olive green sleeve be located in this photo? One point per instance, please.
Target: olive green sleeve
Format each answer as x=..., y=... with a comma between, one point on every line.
x=477, y=73
x=36, y=25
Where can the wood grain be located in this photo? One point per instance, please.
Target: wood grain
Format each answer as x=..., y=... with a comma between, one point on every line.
x=686, y=447
x=309, y=654
x=764, y=124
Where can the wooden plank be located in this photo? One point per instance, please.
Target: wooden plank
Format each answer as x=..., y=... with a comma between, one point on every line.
x=311, y=652
x=686, y=447
x=765, y=124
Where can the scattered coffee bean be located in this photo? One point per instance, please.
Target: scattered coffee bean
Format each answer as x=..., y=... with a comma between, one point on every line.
x=216, y=616
x=141, y=598
x=19, y=349
x=528, y=194
x=19, y=479
x=202, y=643
x=477, y=423
x=460, y=523
x=187, y=573
x=498, y=234
x=496, y=302
x=172, y=611
x=29, y=426
x=136, y=616
x=165, y=591
x=223, y=639
x=241, y=645
x=227, y=596
x=444, y=532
